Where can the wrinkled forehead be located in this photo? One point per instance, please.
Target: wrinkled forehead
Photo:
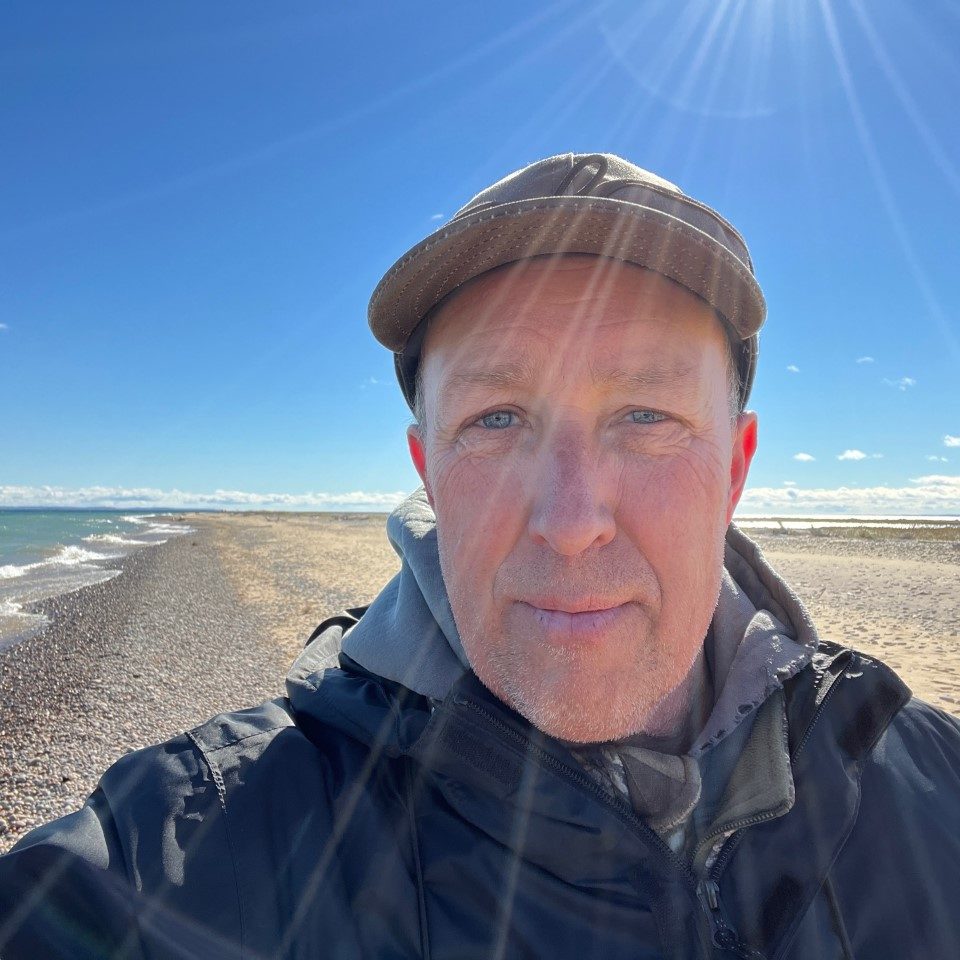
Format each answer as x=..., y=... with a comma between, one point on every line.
x=568, y=309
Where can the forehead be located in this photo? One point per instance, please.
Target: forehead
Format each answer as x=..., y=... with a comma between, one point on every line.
x=572, y=310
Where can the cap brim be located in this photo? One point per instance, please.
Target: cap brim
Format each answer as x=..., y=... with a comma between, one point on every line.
x=482, y=241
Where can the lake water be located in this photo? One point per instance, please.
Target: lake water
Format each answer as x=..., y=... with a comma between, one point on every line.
x=45, y=553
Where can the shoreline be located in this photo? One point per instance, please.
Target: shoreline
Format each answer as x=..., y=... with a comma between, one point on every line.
x=50, y=564
x=123, y=664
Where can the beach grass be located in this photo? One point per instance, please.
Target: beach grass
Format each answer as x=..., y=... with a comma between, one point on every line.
x=938, y=531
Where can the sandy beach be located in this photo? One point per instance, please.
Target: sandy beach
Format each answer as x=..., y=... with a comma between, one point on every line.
x=895, y=599
x=210, y=621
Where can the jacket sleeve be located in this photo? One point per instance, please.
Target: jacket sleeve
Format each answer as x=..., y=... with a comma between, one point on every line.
x=898, y=875
x=123, y=876
x=64, y=890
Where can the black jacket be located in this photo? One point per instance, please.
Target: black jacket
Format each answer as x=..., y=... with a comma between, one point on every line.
x=350, y=820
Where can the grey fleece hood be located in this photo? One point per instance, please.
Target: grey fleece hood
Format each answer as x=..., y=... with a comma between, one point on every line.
x=760, y=636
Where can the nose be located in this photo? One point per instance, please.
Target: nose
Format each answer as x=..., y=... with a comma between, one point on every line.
x=571, y=498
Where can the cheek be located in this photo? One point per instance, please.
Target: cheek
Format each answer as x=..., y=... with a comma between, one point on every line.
x=675, y=509
x=480, y=516
x=693, y=484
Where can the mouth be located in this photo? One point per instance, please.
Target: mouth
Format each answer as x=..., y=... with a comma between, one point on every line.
x=583, y=623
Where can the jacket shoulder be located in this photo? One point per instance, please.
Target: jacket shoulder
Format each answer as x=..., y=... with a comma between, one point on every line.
x=151, y=844
x=925, y=741
x=155, y=794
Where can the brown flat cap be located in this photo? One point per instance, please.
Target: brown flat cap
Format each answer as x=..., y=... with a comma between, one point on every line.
x=574, y=203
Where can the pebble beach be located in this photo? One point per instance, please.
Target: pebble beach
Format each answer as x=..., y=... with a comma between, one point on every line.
x=210, y=621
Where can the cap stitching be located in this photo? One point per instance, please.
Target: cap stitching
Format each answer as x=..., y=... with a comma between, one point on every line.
x=698, y=237
x=455, y=228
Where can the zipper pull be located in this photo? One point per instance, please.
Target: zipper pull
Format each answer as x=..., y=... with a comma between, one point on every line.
x=720, y=933
x=723, y=936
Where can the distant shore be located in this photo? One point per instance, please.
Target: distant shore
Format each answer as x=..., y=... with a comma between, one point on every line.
x=210, y=621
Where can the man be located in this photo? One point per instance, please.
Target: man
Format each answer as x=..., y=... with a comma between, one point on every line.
x=587, y=718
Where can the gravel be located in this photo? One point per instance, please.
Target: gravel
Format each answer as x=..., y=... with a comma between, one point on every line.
x=123, y=664
x=887, y=548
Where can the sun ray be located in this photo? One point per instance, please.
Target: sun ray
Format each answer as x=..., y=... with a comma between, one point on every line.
x=882, y=184
x=909, y=104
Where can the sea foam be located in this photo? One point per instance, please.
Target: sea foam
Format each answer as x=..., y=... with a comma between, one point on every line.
x=73, y=555
x=115, y=539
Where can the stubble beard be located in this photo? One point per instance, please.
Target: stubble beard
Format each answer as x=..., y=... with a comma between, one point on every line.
x=568, y=698
x=557, y=689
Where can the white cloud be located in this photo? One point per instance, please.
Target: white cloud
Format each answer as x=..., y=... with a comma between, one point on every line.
x=902, y=384
x=864, y=359
x=858, y=455
x=936, y=458
x=927, y=495
x=793, y=368
x=3, y=326
x=804, y=457
x=437, y=216
x=949, y=441
x=15, y=496
x=789, y=483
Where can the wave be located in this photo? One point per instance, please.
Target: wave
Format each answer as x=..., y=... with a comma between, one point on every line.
x=157, y=527
x=11, y=570
x=45, y=581
x=74, y=555
x=70, y=556
x=16, y=625
x=114, y=538
x=906, y=523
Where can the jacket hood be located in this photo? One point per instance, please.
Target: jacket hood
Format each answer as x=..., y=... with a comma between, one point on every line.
x=760, y=635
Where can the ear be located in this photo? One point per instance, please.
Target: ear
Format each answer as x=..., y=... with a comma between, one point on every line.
x=744, y=447
x=418, y=454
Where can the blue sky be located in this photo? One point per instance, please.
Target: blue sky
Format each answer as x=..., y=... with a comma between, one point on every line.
x=199, y=198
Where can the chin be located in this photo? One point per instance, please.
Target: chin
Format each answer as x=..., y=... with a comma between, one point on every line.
x=572, y=710
x=583, y=729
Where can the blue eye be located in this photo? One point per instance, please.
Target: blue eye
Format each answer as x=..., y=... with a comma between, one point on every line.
x=497, y=420
x=646, y=416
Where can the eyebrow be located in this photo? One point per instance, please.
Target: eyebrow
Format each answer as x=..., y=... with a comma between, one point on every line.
x=510, y=374
x=514, y=374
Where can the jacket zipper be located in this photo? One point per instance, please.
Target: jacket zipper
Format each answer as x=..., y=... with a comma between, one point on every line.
x=731, y=843
x=722, y=934
x=588, y=784
x=823, y=703
x=707, y=891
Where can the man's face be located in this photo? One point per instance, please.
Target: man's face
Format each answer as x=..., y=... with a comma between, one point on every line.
x=579, y=453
